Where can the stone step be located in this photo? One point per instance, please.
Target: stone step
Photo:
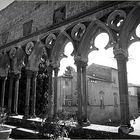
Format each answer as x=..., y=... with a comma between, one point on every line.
x=22, y=133
x=18, y=121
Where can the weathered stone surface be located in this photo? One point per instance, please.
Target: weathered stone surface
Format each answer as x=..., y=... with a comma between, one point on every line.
x=19, y=12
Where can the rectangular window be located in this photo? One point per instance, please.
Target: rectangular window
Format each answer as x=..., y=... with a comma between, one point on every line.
x=27, y=28
x=59, y=15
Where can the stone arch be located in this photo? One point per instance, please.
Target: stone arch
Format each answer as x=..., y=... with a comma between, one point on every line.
x=57, y=52
x=130, y=23
x=92, y=31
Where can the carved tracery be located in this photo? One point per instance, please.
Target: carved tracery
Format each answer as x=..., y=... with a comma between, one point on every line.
x=78, y=31
x=29, y=48
x=115, y=19
x=50, y=40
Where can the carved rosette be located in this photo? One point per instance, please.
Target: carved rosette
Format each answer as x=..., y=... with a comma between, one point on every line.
x=115, y=19
x=50, y=40
x=29, y=48
x=78, y=31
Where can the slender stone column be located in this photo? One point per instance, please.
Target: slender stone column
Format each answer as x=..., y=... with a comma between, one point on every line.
x=55, y=90
x=78, y=64
x=27, y=98
x=84, y=64
x=17, y=77
x=33, y=109
x=3, y=90
x=10, y=91
x=50, y=98
x=121, y=56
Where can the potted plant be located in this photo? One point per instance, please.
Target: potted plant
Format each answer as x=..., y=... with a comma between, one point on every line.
x=4, y=131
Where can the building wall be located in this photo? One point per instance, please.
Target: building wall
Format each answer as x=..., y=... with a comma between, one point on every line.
x=97, y=90
x=133, y=100
x=41, y=12
x=98, y=112
x=103, y=96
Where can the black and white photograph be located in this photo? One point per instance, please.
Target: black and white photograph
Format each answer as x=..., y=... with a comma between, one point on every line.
x=69, y=69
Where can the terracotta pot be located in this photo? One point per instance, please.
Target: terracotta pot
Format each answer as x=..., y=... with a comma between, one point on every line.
x=5, y=132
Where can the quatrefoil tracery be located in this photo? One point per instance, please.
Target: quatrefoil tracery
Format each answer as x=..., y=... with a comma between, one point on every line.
x=78, y=31
x=50, y=40
x=115, y=19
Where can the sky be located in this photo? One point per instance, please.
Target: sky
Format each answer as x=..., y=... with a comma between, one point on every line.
x=4, y=3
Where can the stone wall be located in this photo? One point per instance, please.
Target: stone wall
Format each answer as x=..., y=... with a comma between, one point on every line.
x=19, y=12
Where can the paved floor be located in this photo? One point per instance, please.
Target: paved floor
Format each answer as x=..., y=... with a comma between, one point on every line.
x=113, y=129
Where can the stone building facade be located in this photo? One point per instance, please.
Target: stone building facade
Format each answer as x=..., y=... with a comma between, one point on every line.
x=102, y=91
x=134, y=98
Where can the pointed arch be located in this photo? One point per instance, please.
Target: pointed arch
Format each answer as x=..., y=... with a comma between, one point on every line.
x=58, y=49
x=90, y=34
x=130, y=23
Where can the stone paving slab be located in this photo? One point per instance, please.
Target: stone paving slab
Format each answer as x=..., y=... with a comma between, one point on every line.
x=111, y=129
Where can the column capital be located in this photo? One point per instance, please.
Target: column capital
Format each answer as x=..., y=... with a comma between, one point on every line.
x=34, y=74
x=4, y=78
x=11, y=74
x=17, y=76
x=119, y=51
x=82, y=62
x=29, y=73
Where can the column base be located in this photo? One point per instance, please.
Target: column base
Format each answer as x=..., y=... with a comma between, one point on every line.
x=84, y=123
x=125, y=129
x=14, y=114
x=26, y=117
x=33, y=116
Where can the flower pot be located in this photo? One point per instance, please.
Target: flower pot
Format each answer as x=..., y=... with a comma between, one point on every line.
x=5, y=132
